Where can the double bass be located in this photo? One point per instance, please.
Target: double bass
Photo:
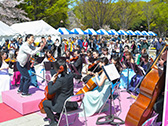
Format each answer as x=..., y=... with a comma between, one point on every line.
x=150, y=88
x=47, y=95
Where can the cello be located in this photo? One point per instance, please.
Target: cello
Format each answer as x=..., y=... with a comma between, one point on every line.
x=47, y=95
x=150, y=88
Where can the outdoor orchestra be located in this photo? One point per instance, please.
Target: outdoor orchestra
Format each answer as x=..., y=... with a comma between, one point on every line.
x=56, y=75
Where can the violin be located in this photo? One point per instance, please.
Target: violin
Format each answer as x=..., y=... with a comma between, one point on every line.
x=90, y=85
x=150, y=88
x=32, y=60
x=10, y=60
x=51, y=59
x=93, y=64
x=72, y=59
x=47, y=95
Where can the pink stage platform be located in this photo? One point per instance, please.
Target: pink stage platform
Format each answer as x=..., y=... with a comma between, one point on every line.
x=23, y=105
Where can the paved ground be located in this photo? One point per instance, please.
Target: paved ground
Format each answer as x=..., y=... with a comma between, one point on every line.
x=35, y=119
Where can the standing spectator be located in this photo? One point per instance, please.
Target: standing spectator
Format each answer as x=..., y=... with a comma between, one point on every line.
x=116, y=37
x=133, y=47
x=70, y=44
x=80, y=42
x=5, y=46
x=144, y=44
x=87, y=40
x=20, y=42
x=49, y=42
x=43, y=51
x=85, y=44
x=12, y=48
x=56, y=49
x=92, y=45
x=94, y=40
x=158, y=45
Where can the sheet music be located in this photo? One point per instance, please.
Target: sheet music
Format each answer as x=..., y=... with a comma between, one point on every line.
x=165, y=109
x=111, y=72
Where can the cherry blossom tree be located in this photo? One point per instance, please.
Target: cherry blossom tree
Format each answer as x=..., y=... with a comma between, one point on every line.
x=10, y=13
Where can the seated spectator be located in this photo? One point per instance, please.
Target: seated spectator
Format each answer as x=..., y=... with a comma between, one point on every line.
x=145, y=64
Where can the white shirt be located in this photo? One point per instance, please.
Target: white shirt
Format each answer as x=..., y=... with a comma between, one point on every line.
x=25, y=52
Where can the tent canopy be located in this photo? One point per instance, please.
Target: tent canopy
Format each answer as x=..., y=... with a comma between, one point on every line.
x=122, y=32
x=5, y=30
x=37, y=28
x=64, y=31
x=78, y=31
x=103, y=32
x=113, y=32
x=91, y=31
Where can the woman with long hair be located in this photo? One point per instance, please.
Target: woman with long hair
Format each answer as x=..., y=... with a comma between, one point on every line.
x=4, y=75
x=94, y=100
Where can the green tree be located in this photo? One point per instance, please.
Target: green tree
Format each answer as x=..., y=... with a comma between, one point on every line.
x=51, y=11
x=95, y=13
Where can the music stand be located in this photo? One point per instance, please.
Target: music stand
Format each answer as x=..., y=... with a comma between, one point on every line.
x=49, y=66
x=112, y=74
x=40, y=59
x=63, y=58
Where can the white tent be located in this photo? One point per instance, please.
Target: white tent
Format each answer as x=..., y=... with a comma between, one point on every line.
x=37, y=28
x=5, y=30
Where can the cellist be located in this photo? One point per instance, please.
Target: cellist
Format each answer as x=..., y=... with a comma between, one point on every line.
x=63, y=87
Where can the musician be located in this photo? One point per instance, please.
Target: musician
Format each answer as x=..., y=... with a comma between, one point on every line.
x=158, y=106
x=105, y=53
x=116, y=61
x=4, y=75
x=89, y=57
x=49, y=56
x=94, y=100
x=95, y=67
x=63, y=87
x=78, y=62
x=25, y=51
